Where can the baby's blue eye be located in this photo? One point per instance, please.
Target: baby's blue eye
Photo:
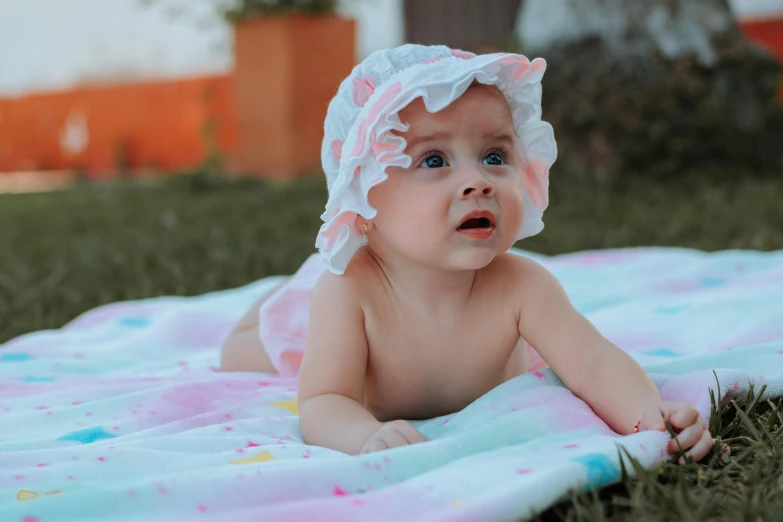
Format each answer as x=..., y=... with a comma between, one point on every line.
x=435, y=161
x=493, y=158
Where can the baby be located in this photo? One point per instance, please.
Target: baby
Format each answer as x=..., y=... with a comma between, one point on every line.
x=437, y=161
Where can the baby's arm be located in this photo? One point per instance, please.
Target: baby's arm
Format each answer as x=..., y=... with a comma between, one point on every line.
x=597, y=371
x=332, y=376
x=594, y=369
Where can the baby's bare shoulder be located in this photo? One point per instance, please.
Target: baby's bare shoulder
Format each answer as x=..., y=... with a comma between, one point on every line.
x=517, y=275
x=352, y=285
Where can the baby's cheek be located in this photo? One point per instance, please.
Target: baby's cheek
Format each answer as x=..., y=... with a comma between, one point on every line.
x=513, y=209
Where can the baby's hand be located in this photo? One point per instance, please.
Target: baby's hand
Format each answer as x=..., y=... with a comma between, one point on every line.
x=392, y=435
x=692, y=432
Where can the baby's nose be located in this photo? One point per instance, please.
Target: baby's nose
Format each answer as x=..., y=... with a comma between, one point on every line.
x=477, y=187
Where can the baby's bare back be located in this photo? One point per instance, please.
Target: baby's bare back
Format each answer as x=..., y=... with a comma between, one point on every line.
x=426, y=363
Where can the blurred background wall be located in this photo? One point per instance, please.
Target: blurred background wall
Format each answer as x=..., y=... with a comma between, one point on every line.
x=102, y=86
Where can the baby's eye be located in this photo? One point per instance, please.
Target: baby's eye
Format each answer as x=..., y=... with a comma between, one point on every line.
x=434, y=161
x=493, y=158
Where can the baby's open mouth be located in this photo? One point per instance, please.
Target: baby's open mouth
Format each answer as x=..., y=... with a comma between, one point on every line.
x=481, y=222
x=478, y=225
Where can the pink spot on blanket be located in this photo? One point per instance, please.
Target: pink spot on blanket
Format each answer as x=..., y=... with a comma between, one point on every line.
x=30, y=519
x=251, y=444
x=131, y=494
x=339, y=492
x=102, y=459
x=357, y=502
x=229, y=428
x=18, y=477
x=643, y=447
x=42, y=407
x=525, y=471
x=569, y=446
x=200, y=330
x=202, y=509
x=735, y=386
x=69, y=477
x=752, y=338
x=606, y=257
x=41, y=465
x=634, y=342
x=539, y=375
x=676, y=286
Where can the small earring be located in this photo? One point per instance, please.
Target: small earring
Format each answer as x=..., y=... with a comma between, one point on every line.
x=364, y=228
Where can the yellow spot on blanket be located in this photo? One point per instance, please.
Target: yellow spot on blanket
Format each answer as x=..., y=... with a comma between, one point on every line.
x=26, y=495
x=264, y=456
x=457, y=503
x=290, y=405
x=23, y=494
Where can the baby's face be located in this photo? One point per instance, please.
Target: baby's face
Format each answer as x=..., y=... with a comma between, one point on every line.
x=459, y=204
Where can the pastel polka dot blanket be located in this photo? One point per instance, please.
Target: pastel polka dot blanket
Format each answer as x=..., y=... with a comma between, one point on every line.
x=121, y=415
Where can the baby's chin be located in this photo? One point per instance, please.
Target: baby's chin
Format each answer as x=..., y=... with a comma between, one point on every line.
x=472, y=259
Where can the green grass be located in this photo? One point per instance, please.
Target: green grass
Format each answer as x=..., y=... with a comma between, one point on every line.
x=63, y=253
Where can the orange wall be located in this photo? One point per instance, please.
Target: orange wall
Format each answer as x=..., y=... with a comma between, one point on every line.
x=158, y=124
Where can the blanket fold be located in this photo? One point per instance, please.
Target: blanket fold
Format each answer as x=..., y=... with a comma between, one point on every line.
x=123, y=415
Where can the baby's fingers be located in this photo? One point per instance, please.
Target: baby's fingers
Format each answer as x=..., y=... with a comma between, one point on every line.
x=411, y=434
x=687, y=438
x=374, y=445
x=682, y=415
x=701, y=448
x=392, y=438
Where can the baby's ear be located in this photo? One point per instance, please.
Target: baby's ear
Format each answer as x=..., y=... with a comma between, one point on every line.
x=362, y=225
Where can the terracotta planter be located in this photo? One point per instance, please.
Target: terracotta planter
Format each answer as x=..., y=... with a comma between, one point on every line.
x=287, y=70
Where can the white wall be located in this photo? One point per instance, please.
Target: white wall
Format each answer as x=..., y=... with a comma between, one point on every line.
x=757, y=8
x=56, y=44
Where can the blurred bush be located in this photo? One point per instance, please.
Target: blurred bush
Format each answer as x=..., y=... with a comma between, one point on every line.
x=664, y=89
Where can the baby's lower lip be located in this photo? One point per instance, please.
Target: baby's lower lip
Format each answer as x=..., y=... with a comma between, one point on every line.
x=477, y=233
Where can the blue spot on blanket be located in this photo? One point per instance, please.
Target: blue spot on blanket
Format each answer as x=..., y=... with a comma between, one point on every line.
x=601, y=470
x=712, y=282
x=134, y=322
x=661, y=352
x=35, y=378
x=15, y=357
x=88, y=436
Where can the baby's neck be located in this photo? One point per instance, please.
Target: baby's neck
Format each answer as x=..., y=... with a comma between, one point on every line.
x=426, y=287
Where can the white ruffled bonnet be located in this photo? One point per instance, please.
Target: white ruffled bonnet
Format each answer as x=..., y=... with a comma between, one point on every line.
x=358, y=143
